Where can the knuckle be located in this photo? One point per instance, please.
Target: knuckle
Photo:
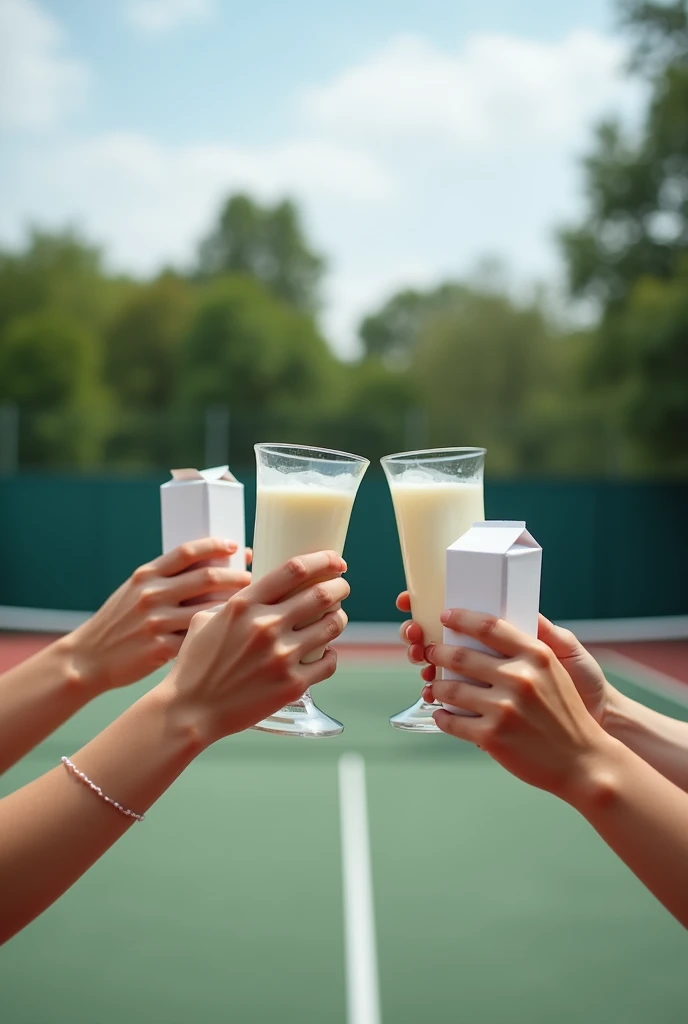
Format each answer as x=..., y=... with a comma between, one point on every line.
x=147, y=598
x=458, y=658
x=238, y=604
x=187, y=550
x=329, y=665
x=487, y=626
x=526, y=685
x=332, y=628
x=506, y=713
x=212, y=574
x=279, y=662
x=541, y=656
x=162, y=649
x=142, y=574
x=153, y=625
x=321, y=596
x=267, y=631
x=296, y=568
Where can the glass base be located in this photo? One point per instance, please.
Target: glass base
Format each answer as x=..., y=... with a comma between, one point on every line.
x=302, y=718
x=417, y=718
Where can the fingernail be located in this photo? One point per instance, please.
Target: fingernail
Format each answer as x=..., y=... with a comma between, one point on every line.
x=229, y=543
x=445, y=617
x=344, y=566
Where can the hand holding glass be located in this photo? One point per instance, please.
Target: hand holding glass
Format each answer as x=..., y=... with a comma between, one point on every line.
x=304, y=500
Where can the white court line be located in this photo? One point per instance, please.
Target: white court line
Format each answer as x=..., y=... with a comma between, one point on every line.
x=362, y=986
x=647, y=678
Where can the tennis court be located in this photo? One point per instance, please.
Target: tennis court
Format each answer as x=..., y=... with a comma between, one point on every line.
x=492, y=902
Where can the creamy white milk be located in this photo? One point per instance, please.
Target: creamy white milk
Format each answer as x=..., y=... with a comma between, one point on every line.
x=296, y=519
x=431, y=515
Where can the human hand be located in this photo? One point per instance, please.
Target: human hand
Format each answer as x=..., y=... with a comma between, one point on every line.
x=530, y=717
x=412, y=635
x=142, y=625
x=244, y=662
x=587, y=676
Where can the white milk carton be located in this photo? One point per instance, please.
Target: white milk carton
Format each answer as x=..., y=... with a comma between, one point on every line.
x=493, y=568
x=199, y=503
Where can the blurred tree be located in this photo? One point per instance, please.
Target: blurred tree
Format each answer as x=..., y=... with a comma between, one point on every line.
x=392, y=333
x=374, y=416
x=486, y=369
x=262, y=358
x=142, y=369
x=49, y=368
x=60, y=271
x=636, y=226
x=143, y=341
x=654, y=335
x=266, y=242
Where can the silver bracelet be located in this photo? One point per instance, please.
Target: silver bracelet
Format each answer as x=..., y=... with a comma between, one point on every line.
x=73, y=770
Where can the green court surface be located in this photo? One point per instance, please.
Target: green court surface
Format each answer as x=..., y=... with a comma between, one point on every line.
x=494, y=903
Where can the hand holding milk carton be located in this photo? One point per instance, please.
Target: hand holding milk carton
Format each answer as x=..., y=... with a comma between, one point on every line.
x=199, y=503
x=493, y=568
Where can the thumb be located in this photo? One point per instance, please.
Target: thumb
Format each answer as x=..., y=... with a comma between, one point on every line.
x=562, y=642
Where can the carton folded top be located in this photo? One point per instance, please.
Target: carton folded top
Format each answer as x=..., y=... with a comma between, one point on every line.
x=496, y=537
x=209, y=475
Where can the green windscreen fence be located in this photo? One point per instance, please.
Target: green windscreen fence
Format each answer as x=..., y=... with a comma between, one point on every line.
x=611, y=549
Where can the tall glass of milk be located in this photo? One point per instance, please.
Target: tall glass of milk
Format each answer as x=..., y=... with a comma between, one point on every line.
x=437, y=496
x=304, y=500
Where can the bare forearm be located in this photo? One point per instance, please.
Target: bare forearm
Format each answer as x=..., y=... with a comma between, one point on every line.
x=644, y=818
x=658, y=739
x=134, y=761
x=38, y=696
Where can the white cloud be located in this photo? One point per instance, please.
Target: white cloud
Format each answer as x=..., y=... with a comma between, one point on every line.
x=157, y=16
x=408, y=167
x=38, y=82
x=152, y=203
x=494, y=93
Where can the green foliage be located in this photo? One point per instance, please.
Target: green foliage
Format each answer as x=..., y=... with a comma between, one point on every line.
x=482, y=365
x=629, y=252
x=265, y=242
x=49, y=367
x=654, y=336
x=143, y=342
x=251, y=350
x=61, y=272
x=108, y=371
x=660, y=33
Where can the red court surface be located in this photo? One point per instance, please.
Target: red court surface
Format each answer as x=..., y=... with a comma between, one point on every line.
x=16, y=647
x=667, y=656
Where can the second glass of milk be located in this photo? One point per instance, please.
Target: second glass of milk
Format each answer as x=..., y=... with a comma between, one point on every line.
x=304, y=499
x=437, y=496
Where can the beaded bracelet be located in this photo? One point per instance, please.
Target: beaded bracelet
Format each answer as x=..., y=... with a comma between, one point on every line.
x=73, y=770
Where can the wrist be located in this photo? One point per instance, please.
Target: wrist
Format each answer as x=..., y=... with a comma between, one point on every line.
x=617, y=712
x=76, y=669
x=187, y=717
x=595, y=782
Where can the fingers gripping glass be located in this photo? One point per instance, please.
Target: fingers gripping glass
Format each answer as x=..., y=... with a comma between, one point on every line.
x=437, y=496
x=304, y=500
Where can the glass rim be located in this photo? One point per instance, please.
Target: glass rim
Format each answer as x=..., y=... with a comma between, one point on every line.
x=297, y=451
x=434, y=455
